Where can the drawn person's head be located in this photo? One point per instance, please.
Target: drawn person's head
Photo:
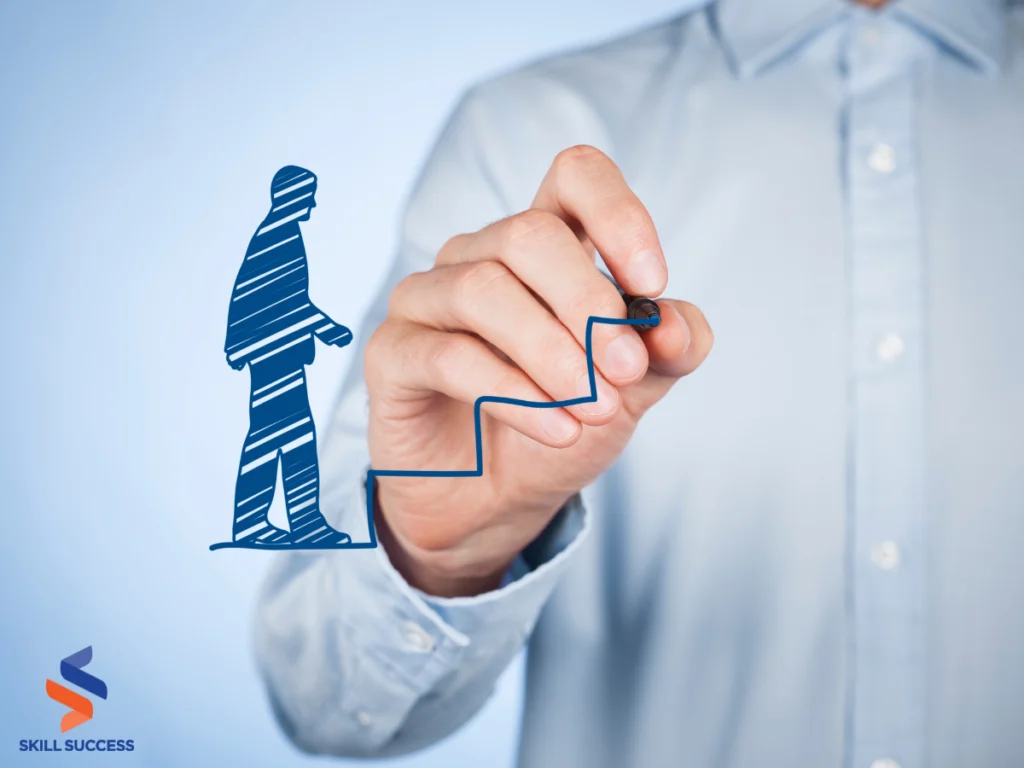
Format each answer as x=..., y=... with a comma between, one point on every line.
x=292, y=194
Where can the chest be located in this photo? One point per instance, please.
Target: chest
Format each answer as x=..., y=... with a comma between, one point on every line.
x=838, y=242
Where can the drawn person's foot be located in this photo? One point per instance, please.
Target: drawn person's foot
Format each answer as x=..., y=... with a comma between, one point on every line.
x=276, y=537
x=331, y=538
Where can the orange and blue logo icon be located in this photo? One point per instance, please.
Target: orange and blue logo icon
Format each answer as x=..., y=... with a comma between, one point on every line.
x=71, y=669
x=80, y=706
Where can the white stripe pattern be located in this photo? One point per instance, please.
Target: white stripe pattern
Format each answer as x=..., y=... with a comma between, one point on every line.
x=275, y=336
x=273, y=280
x=279, y=432
x=291, y=202
x=272, y=247
x=268, y=397
x=252, y=280
x=293, y=187
x=282, y=222
x=278, y=381
x=282, y=348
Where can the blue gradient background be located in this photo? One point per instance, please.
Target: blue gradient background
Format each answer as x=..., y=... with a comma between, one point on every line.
x=137, y=143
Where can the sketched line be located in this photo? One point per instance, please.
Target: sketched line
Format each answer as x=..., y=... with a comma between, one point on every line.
x=372, y=474
x=81, y=707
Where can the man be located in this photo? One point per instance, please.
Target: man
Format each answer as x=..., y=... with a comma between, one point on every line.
x=808, y=552
x=271, y=324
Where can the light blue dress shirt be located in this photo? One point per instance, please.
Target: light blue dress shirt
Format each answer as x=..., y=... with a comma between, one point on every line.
x=812, y=553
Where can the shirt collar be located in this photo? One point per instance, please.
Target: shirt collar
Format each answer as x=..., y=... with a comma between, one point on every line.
x=755, y=33
x=976, y=30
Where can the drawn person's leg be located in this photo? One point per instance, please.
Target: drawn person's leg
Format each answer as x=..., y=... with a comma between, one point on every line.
x=300, y=473
x=273, y=421
x=254, y=492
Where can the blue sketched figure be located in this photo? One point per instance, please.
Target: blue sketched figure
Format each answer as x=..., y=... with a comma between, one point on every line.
x=271, y=325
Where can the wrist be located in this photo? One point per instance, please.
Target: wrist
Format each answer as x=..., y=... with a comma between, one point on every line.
x=441, y=573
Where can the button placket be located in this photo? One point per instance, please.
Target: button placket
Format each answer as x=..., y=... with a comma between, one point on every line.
x=886, y=500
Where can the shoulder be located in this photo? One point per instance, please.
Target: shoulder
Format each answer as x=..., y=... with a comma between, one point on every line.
x=505, y=131
x=519, y=120
x=603, y=69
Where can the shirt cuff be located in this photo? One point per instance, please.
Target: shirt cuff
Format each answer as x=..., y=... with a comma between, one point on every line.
x=394, y=644
x=529, y=582
x=419, y=637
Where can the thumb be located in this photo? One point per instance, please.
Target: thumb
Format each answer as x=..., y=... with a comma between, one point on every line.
x=676, y=348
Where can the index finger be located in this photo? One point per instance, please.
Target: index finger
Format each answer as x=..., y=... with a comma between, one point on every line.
x=586, y=189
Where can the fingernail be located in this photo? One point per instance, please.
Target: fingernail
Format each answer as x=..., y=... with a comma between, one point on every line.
x=606, y=395
x=558, y=424
x=647, y=273
x=689, y=336
x=624, y=357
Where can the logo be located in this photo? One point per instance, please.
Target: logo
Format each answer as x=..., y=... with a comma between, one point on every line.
x=81, y=710
x=81, y=707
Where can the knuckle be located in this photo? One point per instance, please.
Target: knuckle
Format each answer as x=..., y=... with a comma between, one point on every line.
x=702, y=338
x=579, y=303
x=564, y=355
x=551, y=346
x=532, y=224
x=453, y=246
x=630, y=217
x=474, y=283
x=448, y=359
x=402, y=291
x=576, y=156
x=595, y=297
x=710, y=337
x=507, y=382
x=375, y=353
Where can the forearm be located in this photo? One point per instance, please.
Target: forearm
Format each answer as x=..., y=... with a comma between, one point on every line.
x=330, y=332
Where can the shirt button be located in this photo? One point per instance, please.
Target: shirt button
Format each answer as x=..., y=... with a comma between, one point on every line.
x=882, y=158
x=890, y=347
x=364, y=719
x=417, y=638
x=885, y=762
x=886, y=555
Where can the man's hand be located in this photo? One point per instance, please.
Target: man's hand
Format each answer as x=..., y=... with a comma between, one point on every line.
x=238, y=364
x=504, y=312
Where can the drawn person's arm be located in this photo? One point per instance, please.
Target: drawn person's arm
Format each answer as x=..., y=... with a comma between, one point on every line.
x=234, y=360
x=331, y=332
